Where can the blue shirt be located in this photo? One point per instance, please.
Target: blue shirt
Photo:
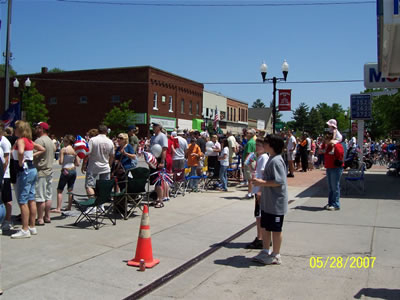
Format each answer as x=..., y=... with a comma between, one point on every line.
x=126, y=162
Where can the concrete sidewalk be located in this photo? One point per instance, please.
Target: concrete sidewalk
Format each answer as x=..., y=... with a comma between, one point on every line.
x=65, y=262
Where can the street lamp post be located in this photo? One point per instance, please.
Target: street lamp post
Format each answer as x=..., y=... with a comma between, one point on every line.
x=346, y=114
x=20, y=91
x=274, y=80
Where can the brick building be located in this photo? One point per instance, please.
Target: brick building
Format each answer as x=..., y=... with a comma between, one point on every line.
x=79, y=100
x=236, y=115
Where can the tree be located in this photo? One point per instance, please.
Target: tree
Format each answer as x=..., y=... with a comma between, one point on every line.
x=3, y=71
x=119, y=118
x=33, y=104
x=258, y=104
x=55, y=70
x=315, y=123
x=300, y=116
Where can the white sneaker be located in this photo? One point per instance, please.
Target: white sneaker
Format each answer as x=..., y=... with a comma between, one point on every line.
x=33, y=230
x=7, y=226
x=249, y=195
x=21, y=234
x=260, y=257
x=1, y=231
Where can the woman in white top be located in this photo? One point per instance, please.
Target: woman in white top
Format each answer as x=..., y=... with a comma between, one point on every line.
x=69, y=160
x=224, y=164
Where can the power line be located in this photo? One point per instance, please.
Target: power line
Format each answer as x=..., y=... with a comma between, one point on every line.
x=205, y=83
x=221, y=4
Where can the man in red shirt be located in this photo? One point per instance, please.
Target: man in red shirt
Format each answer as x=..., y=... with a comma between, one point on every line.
x=334, y=168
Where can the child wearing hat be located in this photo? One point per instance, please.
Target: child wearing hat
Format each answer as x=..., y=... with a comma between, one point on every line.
x=337, y=136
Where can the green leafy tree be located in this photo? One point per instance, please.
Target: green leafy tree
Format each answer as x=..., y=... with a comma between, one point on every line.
x=315, y=123
x=300, y=117
x=210, y=128
x=33, y=105
x=119, y=118
x=3, y=71
x=258, y=104
x=278, y=114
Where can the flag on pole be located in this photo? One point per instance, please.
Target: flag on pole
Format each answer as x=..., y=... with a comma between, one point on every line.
x=12, y=114
x=216, y=118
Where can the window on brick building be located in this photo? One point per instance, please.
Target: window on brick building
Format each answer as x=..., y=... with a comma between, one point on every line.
x=52, y=100
x=170, y=104
x=182, y=106
x=197, y=109
x=83, y=100
x=155, y=102
x=234, y=115
x=190, y=107
x=163, y=98
x=115, y=99
x=239, y=119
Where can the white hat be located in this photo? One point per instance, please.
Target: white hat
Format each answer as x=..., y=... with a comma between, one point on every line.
x=332, y=122
x=174, y=134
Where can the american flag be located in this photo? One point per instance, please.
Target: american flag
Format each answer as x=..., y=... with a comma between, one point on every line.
x=81, y=147
x=216, y=118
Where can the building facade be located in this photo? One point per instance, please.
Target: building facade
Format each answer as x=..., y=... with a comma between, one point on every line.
x=262, y=118
x=237, y=115
x=213, y=102
x=79, y=100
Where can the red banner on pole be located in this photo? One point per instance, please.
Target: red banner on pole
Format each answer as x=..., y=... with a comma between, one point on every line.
x=285, y=100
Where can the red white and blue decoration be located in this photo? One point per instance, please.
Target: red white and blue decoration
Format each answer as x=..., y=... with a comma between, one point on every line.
x=150, y=159
x=250, y=159
x=81, y=147
x=162, y=178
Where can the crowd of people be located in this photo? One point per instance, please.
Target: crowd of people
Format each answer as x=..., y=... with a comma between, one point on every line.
x=263, y=164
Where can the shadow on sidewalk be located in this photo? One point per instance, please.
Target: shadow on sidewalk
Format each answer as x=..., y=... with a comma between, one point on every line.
x=238, y=261
x=388, y=294
x=309, y=208
x=377, y=186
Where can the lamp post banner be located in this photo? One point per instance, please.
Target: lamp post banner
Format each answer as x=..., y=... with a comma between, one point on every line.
x=285, y=100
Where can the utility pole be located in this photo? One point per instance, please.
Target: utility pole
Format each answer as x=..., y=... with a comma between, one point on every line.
x=8, y=56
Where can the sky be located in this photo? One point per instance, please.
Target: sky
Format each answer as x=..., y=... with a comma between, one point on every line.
x=205, y=44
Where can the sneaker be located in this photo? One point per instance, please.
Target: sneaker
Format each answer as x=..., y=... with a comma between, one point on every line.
x=1, y=231
x=21, y=234
x=249, y=195
x=260, y=257
x=332, y=208
x=290, y=175
x=256, y=244
x=33, y=230
x=326, y=206
x=273, y=260
x=7, y=226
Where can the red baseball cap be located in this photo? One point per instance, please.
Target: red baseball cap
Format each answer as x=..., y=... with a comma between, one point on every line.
x=44, y=125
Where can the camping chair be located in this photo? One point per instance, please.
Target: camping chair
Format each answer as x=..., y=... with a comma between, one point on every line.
x=234, y=169
x=133, y=191
x=91, y=208
x=355, y=177
x=179, y=183
x=201, y=180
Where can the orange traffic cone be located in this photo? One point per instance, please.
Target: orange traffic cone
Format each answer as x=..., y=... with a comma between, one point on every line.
x=143, y=249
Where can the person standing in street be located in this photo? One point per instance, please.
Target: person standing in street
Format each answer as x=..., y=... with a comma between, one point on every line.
x=100, y=158
x=179, y=154
x=133, y=139
x=6, y=195
x=247, y=169
x=291, y=152
x=44, y=166
x=274, y=201
x=232, y=145
x=334, y=169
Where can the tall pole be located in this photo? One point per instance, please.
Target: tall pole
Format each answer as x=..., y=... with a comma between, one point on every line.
x=7, y=62
x=274, y=106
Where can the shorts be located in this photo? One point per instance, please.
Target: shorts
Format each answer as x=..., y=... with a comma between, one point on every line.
x=291, y=155
x=178, y=164
x=68, y=179
x=247, y=173
x=44, y=188
x=90, y=179
x=271, y=222
x=257, y=209
x=25, y=186
x=6, y=195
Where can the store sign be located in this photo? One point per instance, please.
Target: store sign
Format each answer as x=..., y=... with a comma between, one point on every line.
x=285, y=100
x=167, y=123
x=137, y=118
x=260, y=124
x=374, y=79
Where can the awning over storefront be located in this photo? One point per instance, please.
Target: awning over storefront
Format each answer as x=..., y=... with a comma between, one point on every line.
x=168, y=123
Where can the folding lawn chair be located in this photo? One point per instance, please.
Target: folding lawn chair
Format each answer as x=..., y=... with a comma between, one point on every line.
x=356, y=178
x=133, y=191
x=178, y=187
x=92, y=208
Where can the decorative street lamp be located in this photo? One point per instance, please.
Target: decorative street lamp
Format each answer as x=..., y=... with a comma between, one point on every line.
x=20, y=91
x=274, y=80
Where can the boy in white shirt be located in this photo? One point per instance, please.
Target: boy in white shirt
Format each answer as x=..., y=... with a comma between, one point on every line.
x=262, y=159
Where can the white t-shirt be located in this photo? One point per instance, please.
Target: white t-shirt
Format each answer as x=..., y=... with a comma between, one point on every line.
x=180, y=152
x=5, y=146
x=291, y=144
x=213, y=146
x=260, y=166
x=100, y=150
x=224, y=162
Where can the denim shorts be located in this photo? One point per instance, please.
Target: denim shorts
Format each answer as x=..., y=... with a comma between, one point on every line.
x=67, y=178
x=25, y=188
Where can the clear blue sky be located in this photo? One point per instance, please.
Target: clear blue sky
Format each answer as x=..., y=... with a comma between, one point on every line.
x=206, y=44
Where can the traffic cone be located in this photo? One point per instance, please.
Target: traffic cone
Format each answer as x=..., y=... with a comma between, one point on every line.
x=143, y=248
